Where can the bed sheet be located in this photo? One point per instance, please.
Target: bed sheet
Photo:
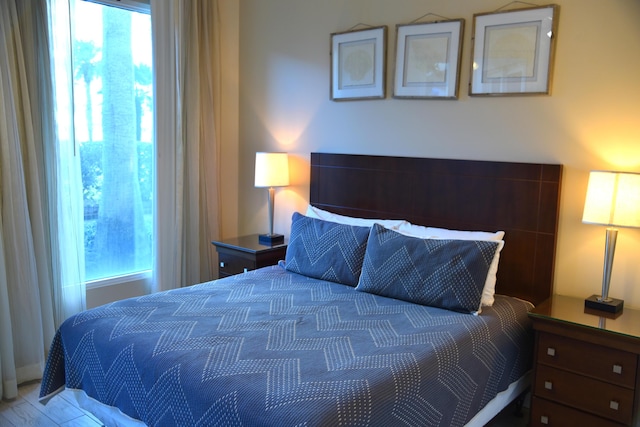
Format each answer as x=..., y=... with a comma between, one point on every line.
x=271, y=347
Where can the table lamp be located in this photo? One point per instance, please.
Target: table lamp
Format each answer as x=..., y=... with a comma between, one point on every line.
x=272, y=170
x=613, y=199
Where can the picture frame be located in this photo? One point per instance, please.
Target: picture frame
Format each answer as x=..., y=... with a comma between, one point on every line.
x=358, y=64
x=513, y=51
x=428, y=59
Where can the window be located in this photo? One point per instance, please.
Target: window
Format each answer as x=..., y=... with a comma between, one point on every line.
x=113, y=126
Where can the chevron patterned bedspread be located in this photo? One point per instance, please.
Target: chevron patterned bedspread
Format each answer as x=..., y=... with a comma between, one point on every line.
x=274, y=348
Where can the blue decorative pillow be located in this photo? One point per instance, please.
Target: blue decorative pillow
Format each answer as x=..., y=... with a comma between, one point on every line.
x=326, y=250
x=441, y=273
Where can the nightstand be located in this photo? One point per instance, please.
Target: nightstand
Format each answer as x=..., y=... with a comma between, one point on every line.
x=586, y=369
x=245, y=253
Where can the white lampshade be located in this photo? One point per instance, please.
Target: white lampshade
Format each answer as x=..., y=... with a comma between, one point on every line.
x=613, y=199
x=272, y=170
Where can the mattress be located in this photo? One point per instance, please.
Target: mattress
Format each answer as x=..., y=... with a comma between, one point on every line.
x=272, y=347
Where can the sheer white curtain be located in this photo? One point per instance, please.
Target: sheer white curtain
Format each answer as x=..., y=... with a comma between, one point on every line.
x=187, y=75
x=38, y=286
x=64, y=175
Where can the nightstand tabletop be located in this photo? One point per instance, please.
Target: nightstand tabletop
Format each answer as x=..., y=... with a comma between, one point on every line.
x=571, y=310
x=247, y=244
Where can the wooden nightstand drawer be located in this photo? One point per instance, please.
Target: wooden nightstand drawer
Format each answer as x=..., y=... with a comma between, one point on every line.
x=607, y=364
x=245, y=253
x=548, y=414
x=583, y=393
x=231, y=264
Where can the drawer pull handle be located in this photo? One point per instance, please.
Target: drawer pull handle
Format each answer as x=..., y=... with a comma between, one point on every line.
x=548, y=385
x=551, y=351
x=221, y=264
x=614, y=405
x=245, y=270
x=617, y=369
x=544, y=420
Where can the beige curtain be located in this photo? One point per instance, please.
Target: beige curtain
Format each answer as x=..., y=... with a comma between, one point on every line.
x=187, y=75
x=37, y=288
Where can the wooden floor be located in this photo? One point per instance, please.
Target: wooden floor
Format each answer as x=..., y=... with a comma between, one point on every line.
x=62, y=411
x=27, y=411
x=506, y=418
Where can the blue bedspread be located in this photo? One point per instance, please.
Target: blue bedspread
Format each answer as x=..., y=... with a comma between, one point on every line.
x=271, y=347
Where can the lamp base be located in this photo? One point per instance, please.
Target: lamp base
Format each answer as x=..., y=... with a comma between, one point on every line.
x=613, y=306
x=271, y=239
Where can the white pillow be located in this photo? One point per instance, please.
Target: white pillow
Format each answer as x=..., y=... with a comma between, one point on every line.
x=443, y=233
x=318, y=213
x=422, y=232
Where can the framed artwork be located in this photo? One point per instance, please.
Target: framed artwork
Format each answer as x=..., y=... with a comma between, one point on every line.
x=428, y=60
x=358, y=64
x=513, y=51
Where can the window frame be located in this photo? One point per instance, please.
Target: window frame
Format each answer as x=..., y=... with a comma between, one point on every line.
x=142, y=6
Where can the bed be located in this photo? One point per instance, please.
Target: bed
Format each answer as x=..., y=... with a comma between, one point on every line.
x=329, y=336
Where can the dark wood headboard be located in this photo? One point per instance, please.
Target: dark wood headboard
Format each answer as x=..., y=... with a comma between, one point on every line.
x=521, y=199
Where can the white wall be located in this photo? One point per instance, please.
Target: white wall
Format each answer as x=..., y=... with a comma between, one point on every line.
x=229, y=51
x=590, y=121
